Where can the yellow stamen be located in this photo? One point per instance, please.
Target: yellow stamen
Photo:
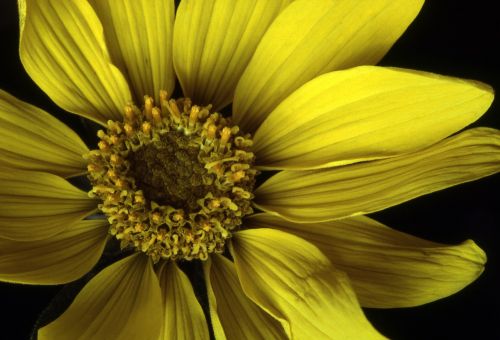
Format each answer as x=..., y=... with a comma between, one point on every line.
x=129, y=130
x=92, y=167
x=129, y=113
x=238, y=176
x=164, y=102
x=225, y=135
x=211, y=132
x=112, y=174
x=102, y=145
x=148, y=107
x=113, y=139
x=193, y=116
x=146, y=128
x=174, y=111
x=115, y=159
x=174, y=183
x=156, y=113
x=121, y=184
x=156, y=217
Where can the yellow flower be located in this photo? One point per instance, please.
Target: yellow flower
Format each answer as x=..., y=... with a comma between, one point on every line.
x=287, y=255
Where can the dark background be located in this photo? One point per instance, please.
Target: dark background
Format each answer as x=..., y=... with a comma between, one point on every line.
x=450, y=37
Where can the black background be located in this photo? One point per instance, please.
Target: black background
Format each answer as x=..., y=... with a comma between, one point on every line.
x=450, y=37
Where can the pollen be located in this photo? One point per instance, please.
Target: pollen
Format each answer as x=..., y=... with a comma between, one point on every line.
x=175, y=179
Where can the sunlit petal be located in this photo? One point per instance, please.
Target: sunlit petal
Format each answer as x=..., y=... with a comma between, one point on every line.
x=361, y=188
x=312, y=37
x=366, y=113
x=139, y=36
x=63, y=50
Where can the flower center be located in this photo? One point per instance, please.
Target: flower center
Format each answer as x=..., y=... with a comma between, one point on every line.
x=174, y=179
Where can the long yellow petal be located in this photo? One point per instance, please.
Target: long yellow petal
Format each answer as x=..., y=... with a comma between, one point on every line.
x=139, y=36
x=366, y=113
x=312, y=37
x=37, y=205
x=32, y=139
x=361, y=188
x=122, y=302
x=238, y=315
x=59, y=259
x=387, y=268
x=63, y=50
x=293, y=281
x=213, y=43
x=183, y=316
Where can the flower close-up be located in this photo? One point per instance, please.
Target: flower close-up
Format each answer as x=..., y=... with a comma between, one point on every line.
x=235, y=151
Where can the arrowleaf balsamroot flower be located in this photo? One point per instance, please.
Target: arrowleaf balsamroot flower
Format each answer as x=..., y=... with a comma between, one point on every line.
x=177, y=181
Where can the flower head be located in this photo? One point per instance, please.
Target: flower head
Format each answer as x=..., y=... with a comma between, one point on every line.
x=258, y=172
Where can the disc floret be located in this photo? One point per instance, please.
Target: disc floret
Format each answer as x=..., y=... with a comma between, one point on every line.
x=175, y=179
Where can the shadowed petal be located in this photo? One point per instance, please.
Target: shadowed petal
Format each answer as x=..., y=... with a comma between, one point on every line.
x=238, y=315
x=293, y=281
x=387, y=268
x=32, y=139
x=123, y=301
x=58, y=259
x=184, y=318
x=213, y=43
x=37, y=205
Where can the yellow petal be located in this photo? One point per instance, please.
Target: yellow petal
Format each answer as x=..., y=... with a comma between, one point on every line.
x=37, y=205
x=213, y=43
x=387, y=268
x=63, y=50
x=32, y=139
x=184, y=318
x=366, y=113
x=121, y=302
x=312, y=37
x=59, y=259
x=139, y=36
x=238, y=315
x=361, y=188
x=292, y=280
